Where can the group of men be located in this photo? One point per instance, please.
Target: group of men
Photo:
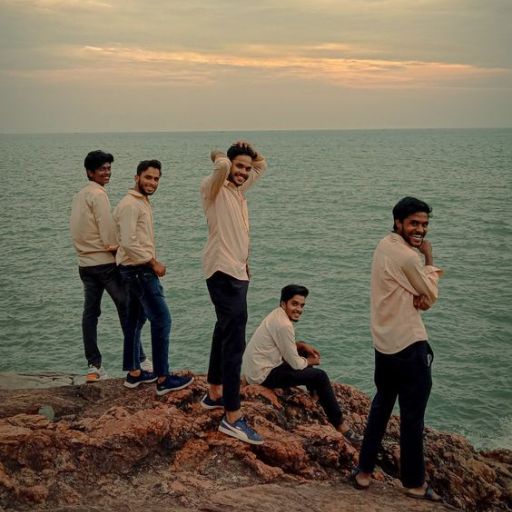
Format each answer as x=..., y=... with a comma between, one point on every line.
x=117, y=253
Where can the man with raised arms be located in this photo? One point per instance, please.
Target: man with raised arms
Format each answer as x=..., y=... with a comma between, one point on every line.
x=402, y=286
x=140, y=271
x=225, y=267
x=275, y=360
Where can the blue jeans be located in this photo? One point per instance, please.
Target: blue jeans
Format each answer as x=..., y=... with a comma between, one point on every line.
x=96, y=279
x=406, y=375
x=145, y=299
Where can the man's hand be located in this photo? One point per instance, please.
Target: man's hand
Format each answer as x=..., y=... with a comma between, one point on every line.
x=216, y=154
x=305, y=350
x=158, y=268
x=420, y=302
x=426, y=249
x=313, y=360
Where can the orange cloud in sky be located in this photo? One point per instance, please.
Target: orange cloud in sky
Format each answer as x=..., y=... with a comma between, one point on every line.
x=326, y=63
x=307, y=62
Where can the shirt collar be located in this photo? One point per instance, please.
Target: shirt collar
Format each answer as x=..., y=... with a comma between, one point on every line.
x=138, y=195
x=93, y=184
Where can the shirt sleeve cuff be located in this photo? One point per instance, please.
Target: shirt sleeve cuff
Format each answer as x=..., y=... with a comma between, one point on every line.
x=430, y=269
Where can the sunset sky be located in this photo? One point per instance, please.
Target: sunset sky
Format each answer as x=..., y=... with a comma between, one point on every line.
x=157, y=65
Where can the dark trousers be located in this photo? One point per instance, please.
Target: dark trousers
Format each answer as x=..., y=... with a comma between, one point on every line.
x=406, y=375
x=315, y=380
x=145, y=300
x=229, y=296
x=96, y=280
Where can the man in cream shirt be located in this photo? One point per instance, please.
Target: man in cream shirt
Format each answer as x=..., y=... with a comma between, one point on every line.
x=275, y=360
x=225, y=267
x=94, y=238
x=401, y=288
x=141, y=273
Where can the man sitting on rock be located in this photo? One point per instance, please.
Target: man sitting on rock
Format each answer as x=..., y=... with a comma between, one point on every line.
x=275, y=360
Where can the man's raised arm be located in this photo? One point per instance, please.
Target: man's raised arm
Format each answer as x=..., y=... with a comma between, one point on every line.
x=212, y=184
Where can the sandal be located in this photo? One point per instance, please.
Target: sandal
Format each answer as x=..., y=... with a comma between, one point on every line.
x=429, y=495
x=355, y=482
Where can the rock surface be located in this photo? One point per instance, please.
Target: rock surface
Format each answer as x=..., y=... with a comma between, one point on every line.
x=103, y=447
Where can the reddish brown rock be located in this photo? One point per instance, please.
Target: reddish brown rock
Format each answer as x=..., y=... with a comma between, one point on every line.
x=122, y=449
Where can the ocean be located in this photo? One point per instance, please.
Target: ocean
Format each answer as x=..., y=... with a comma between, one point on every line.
x=316, y=218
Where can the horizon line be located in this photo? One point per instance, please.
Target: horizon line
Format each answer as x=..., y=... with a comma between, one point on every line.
x=262, y=130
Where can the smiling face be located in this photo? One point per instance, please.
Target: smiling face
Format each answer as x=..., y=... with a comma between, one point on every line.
x=241, y=166
x=413, y=228
x=101, y=175
x=294, y=307
x=147, y=181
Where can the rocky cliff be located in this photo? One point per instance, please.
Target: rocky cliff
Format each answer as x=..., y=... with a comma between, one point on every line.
x=104, y=447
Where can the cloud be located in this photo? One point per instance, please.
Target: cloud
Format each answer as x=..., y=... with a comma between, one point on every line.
x=327, y=63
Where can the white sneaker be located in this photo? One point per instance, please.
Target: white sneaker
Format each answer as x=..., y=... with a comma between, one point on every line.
x=95, y=374
x=147, y=365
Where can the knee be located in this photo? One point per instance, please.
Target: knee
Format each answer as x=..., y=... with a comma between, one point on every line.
x=91, y=310
x=322, y=377
x=162, y=320
x=239, y=316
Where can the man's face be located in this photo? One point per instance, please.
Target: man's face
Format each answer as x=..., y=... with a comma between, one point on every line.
x=241, y=166
x=101, y=175
x=413, y=228
x=294, y=307
x=147, y=181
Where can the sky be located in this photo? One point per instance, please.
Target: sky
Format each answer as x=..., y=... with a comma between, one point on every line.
x=179, y=65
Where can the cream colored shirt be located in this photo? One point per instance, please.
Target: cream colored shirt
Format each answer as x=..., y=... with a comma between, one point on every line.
x=272, y=343
x=227, y=248
x=398, y=275
x=92, y=227
x=134, y=220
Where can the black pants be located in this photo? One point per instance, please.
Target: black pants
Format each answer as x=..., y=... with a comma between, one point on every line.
x=406, y=375
x=96, y=280
x=229, y=296
x=315, y=380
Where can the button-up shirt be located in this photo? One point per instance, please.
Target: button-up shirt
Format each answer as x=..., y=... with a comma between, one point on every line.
x=134, y=220
x=272, y=343
x=225, y=207
x=92, y=227
x=398, y=275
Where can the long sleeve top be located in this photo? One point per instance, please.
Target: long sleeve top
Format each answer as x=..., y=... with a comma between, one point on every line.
x=134, y=220
x=272, y=343
x=398, y=275
x=92, y=227
x=225, y=207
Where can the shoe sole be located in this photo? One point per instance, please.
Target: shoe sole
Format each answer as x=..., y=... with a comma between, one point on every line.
x=237, y=435
x=133, y=385
x=168, y=390
x=210, y=407
x=356, y=484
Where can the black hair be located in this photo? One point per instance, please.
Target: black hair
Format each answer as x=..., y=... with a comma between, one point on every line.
x=407, y=206
x=95, y=159
x=145, y=164
x=241, y=149
x=291, y=290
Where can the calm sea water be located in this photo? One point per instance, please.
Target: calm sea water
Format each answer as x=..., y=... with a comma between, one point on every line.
x=315, y=219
